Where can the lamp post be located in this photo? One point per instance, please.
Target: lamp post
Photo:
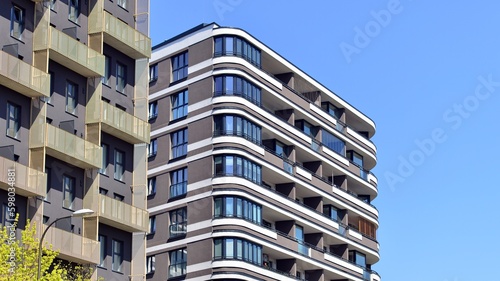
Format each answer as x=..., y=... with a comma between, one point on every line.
x=76, y=214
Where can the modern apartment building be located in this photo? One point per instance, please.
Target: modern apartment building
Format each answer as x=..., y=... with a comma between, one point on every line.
x=256, y=170
x=74, y=126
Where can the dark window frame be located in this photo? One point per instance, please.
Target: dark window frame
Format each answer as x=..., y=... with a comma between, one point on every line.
x=179, y=143
x=180, y=64
x=15, y=119
x=17, y=22
x=180, y=103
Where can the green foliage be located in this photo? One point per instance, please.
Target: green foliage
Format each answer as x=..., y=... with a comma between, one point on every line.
x=19, y=259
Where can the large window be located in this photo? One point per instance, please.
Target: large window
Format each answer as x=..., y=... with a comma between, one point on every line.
x=357, y=258
x=117, y=249
x=233, y=165
x=150, y=264
x=355, y=157
x=17, y=22
x=237, y=249
x=152, y=147
x=236, y=46
x=121, y=77
x=179, y=140
x=152, y=186
x=153, y=109
x=107, y=70
x=68, y=191
x=13, y=120
x=333, y=213
x=237, y=126
x=71, y=97
x=122, y=3
x=306, y=127
x=105, y=159
x=332, y=110
x=153, y=72
x=152, y=225
x=178, y=263
x=333, y=143
x=180, y=67
x=52, y=4
x=102, y=250
x=178, y=222
x=230, y=85
x=238, y=207
x=180, y=105
x=178, y=182
x=119, y=164
x=74, y=10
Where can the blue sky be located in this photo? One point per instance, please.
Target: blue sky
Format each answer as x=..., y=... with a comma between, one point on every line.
x=427, y=72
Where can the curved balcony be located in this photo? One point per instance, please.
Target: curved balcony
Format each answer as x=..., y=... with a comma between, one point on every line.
x=289, y=167
x=350, y=231
x=286, y=246
x=316, y=146
x=22, y=77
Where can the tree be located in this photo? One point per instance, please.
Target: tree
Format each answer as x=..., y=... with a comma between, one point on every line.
x=19, y=259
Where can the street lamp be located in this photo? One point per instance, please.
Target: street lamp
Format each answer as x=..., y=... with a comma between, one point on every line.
x=75, y=214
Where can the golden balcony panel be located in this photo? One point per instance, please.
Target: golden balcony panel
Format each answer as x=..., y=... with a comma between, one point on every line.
x=27, y=181
x=118, y=123
x=120, y=35
x=67, y=51
x=73, y=247
x=65, y=146
x=22, y=77
x=122, y=215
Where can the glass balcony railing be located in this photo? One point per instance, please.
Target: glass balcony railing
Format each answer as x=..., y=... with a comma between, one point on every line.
x=69, y=52
x=118, y=122
x=122, y=215
x=177, y=229
x=65, y=146
x=178, y=189
x=303, y=249
x=288, y=167
x=176, y=270
x=28, y=181
x=22, y=77
x=73, y=247
x=120, y=35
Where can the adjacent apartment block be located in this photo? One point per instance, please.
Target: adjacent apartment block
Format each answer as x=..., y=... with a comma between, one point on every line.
x=74, y=126
x=256, y=170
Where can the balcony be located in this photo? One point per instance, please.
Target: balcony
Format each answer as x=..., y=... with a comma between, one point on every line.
x=118, y=123
x=67, y=51
x=65, y=146
x=177, y=229
x=22, y=77
x=122, y=215
x=73, y=247
x=120, y=35
x=28, y=182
